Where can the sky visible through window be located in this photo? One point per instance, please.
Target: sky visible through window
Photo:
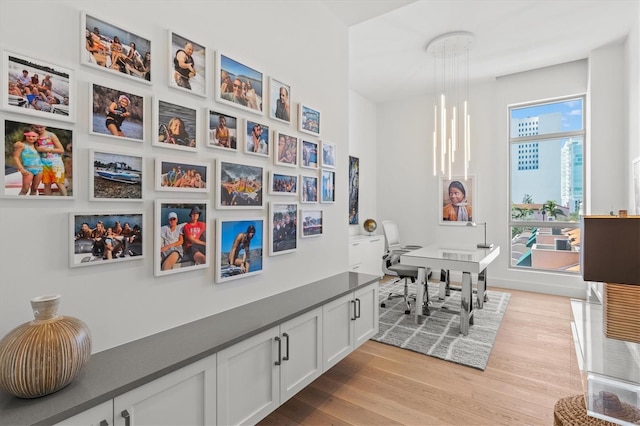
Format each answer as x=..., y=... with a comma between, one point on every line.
x=570, y=110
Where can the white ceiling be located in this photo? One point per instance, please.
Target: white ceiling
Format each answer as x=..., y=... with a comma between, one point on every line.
x=388, y=38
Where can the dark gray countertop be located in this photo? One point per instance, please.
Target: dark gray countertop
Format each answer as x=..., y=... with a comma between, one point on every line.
x=118, y=370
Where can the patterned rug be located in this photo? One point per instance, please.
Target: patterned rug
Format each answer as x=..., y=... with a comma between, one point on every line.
x=439, y=335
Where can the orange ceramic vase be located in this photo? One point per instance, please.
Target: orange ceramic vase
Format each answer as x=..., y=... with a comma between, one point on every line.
x=44, y=355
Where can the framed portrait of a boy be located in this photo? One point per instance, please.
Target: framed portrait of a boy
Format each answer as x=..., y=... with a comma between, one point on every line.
x=187, y=65
x=115, y=176
x=238, y=85
x=239, y=248
x=222, y=131
x=177, y=126
x=116, y=113
x=457, y=200
x=283, y=223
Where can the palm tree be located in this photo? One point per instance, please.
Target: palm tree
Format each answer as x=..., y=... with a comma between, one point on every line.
x=551, y=209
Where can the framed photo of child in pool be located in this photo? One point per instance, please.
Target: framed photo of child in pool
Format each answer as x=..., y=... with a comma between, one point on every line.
x=179, y=175
x=115, y=50
x=38, y=162
x=117, y=113
x=187, y=65
x=38, y=88
x=115, y=176
x=240, y=248
x=238, y=85
x=457, y=200
x=177, y=126
x=239, y=186
x=105, y=238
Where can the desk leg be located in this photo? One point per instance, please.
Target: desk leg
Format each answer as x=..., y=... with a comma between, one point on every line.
x=482, y=289
x=443, y=290
x=466, y=304
x=420, y=289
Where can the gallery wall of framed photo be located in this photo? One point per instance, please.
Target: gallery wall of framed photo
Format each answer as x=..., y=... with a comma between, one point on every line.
x=152, y=156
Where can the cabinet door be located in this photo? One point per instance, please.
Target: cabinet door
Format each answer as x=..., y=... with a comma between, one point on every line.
x=366, y=326
x=355, y=255
x=373, y=249
x=301, y=353
x=100, y=415
x=248, y=380
x=184, y=397
x=337, y=330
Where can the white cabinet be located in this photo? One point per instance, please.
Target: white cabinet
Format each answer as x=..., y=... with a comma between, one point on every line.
x=258, y=374
x=365, y=254
x=100, y=415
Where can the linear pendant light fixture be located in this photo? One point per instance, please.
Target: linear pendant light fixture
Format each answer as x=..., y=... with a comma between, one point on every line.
x=452, y=122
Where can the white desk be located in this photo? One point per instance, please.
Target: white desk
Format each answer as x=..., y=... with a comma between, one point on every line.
x=466, y=258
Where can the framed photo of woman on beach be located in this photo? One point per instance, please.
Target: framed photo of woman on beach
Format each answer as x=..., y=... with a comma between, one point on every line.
x=457, y=200
x=222, y=131
x=107, y=47
x=240, y=248
x=177, y=126
x=178, y=175
x=238, y=85
x=279, y=101
x=116, y=113
x=188, y=65
x=308, y=120
x=38, y=88
x=240, y=186
x=115, y=176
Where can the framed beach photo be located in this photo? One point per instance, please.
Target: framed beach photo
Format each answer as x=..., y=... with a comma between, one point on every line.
x=38, y=161
x=283, y=223
x=328, y=192
x=116, y=113
x=283, y=184
x=178, y=175
x=181, y=236
x=118, y=51
x=256, y=137
x=311, y=223
x=329, y=155
x=238, y=85
x=177, y=126
x=308, y=189
x=286, y=151
x=187, y=65
x=308, y=120
x=38, y=88
x=105, y=239
x=222, y=131
x=240, y=248
x=239, y=186
x=115, y=176
x=279, y=101
x=457, y=200
x=308, y=154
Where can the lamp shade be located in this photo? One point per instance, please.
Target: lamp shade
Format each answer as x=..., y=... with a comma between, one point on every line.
x=610, y=249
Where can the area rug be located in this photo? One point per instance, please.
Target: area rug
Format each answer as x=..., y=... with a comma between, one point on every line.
x=439, y=335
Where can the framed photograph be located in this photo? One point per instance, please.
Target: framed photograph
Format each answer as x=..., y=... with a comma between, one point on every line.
x=238, y=85
x=635, y=172
x=38, y=88
x=177, y=126
x=256, y=139
x=311, y=223
x=329, y=155
x=115, y=176
x=174, y=174
x=240, y=248
x=222, y=131
x=457, y=200
x=354, y=189
x=116, y=113
x=113, y=49
x=308, y=154
x=240, y=186
x=282, y=184
x=279, y=101
x=308, y=120
x=308, y=189
x=287, y=151
x=187, y=65
x=283, y=222
x=38, y=161
x=98, y=239
x=181, y=236
x=328, y=186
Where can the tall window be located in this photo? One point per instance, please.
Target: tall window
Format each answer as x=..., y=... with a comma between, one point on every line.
x=546, y=142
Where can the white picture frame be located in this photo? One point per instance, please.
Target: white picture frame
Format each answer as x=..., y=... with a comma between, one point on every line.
x=230, y=138
x=177, y=174
x=309, y=189
x=193, y=80
x=329, y=155
x=227, y=231
x=239, y=185
x=283, y=184
x=256, y=139
x=177, y=126
x=308, y=120
x=328, y=186
x=468, y=202
x=239, y=73
x=311, y=223
x=104, y=122
x=309, y=154
x=285, y=150
x=115, y=176
x=283, y=228
x=280, y=107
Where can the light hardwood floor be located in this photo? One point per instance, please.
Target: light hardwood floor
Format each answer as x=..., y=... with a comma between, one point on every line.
x=531, y=366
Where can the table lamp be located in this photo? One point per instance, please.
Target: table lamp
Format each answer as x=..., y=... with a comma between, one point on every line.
x=485, y=244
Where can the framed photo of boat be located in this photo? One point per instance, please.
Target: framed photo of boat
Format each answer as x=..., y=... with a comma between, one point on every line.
x=283, y=223
x=187, y=65
x=308, y=120
x=240, y=248
x=39, y=161
x=178, y=175
x=283, y=184
x=308, y=189
x=115, y=176
x=105, y=238
x=286, y=152
x=38, y=88
x=257, y=139
x=181, y=236
x=308, y=154
x=328, y=190
x=279, y=101
x=109, y=48
x=310, y=223
x=240, y=186
x=116, y=113
x=329, y=155
x=222, y=131
x=177, y=126
x=238, y=85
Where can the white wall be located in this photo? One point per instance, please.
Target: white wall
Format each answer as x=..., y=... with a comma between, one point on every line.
x=632, y=68
x=122, y=302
